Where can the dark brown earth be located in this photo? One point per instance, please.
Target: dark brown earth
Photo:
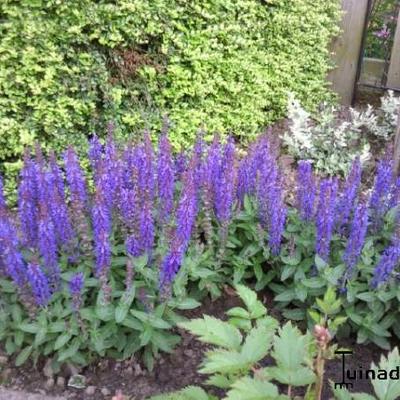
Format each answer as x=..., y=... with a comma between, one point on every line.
x=171, y=372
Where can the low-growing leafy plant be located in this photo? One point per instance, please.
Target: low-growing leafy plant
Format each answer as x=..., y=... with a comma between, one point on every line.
x=130, y=321
x=98, y=269
x=331, y=143
x=237, y=363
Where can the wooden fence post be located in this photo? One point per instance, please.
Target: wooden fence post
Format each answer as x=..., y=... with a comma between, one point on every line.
x=347, y=47
x=396, y=154
x=393, y=80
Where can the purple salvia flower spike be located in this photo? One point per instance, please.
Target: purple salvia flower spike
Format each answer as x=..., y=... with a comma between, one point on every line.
x=171, y=264
x=180, y=164
x=277, y=217
x=185, y=220
x=58, y=179
x=165, y=179
x=348, y=197
x=3, y=205
x=389, y=260
x=28, y=202
x=356, y=238
x=226, y=184
x=380, y=197
x=395, y=193
x=187, y=208
x=58, y=207
x=47, y=238
x=198, y=154
x=146, y=186
x=10, y=257
x=102, y=225
x=243, y=186
x=75, y=179
x=306, y=190
x=211, y=171
x=95, y=154
x=267, y=178
x=39, y=284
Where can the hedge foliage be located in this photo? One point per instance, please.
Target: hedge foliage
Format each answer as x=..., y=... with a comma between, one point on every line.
x=67, y=68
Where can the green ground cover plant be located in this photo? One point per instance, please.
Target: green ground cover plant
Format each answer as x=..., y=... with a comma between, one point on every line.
x=331, y=142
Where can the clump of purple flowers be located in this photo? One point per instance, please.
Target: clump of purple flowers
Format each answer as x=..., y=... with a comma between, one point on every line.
x=306, y=190
x=389, y=260
x=151, y=200
x=356, y=238
x=348, y=196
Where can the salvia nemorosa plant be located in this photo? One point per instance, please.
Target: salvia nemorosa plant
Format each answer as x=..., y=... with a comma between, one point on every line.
x=146, y=192
x=116, y=237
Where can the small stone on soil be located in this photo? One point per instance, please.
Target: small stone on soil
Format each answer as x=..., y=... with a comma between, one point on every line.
x=5, y=375
x=47, y=369
x=105, y=392
x=50, y=383
x=138, y=370
x=90, y=390
x=3, y=360
x=61, y=381
x=188, y=353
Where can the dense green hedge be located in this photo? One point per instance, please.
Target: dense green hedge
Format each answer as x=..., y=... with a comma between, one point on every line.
x=68, y=67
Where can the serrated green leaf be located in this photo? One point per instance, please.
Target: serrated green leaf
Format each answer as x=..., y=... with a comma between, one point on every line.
x=220, y=381
x=252, y=389
x=185, y=304
x=301, y=376
x=189, y=393
x=238, y=312
x=249, y=298
x=387, y=389
x=224, y=362
x=362, y=396
x=340, y=393
x=290, y=347
x=212, y=330
x=257, y=344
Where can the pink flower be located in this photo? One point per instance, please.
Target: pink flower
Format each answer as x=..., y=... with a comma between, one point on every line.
x=384, y=33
